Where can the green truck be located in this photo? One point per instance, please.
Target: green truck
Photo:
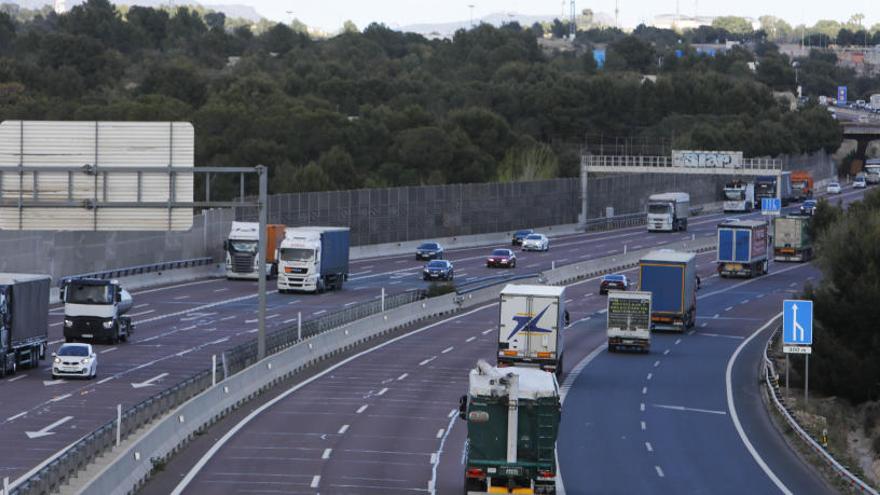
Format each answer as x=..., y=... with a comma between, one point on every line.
x=791, y=241
x=512, y=419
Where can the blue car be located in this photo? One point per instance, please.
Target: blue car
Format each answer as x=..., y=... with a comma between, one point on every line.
x=429, y=251
x=438, y=270
x=519, y=235
x=809, y=207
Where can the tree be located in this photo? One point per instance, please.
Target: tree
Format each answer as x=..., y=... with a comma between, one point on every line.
x=527, y=162
x=845, y=37
x=338, y=166
x=349, y=27
x=631, y=53
x=215, y=20
x=733, y=25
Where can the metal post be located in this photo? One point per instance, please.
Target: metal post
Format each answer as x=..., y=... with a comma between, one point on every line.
x=624, y=249
x=213, y=370
x=6, y=485
x=553, y=265
x=786, y=375
x=118, y=423
x=225, y=367
x=584, y=190
x=264, y=187
x=299, y=326
x=383, y=299
x=806, y=379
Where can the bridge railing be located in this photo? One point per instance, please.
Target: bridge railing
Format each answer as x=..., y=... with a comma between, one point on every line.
x=661, y=163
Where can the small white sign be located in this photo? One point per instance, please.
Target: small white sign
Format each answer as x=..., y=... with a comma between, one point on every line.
x=797, y=349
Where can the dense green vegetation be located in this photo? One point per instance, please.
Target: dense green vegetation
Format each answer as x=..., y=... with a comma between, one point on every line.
x=847, y=342
x=380, y=107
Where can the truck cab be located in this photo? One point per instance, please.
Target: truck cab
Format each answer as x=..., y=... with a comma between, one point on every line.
x=739, y=196
x=668, y=212
x=801, y=185
x=94, y=309
x=242, y=246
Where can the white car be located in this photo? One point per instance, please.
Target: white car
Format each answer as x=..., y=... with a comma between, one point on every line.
x=859, y=182
x=833, y=188
x=536, y=242
x=75, y=360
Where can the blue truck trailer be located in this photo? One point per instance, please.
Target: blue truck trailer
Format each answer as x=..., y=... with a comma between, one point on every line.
x=671, y=278
x=743, y=248
x=313, y=259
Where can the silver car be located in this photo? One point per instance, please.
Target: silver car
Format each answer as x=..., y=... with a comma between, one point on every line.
x=536, y=242
x=75, y=360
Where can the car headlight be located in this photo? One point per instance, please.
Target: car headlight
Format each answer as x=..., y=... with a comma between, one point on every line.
x=108, y=324
x=58, y=360
x=85, y=361
x=68, y=323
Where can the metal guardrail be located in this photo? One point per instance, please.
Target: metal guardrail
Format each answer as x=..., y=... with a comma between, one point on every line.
x=142, y=269
x=58, y=470
x=771, y=378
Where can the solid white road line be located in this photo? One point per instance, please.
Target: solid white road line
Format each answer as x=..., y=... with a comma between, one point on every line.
x=105, y=380
x=12, y=418
x=19, y=377
x=690, y=409
x=105, y=351
x=731, y=406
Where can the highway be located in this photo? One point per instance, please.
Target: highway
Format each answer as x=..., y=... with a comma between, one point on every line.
x=179, y=328
x=385, y=421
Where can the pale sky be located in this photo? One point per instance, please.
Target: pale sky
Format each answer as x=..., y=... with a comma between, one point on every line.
x=330, y=14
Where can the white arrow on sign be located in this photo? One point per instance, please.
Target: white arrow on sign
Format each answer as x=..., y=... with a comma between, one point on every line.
x=150, y=381
x=795, y=325
x=45, y=432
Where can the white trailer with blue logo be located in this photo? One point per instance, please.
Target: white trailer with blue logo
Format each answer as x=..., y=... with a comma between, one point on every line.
x=530, y=327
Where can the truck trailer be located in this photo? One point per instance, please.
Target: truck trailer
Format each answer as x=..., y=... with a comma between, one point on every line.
x=791, y=241
x=512, y=419
x=242, y=259
x=668, y=212
x=313, y=259
x=531, y=321
x=24, y=321
x=743, y=248
x=671, y=278
x=629, y=320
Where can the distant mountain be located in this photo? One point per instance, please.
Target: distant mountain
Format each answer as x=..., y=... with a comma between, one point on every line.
x=231, y=10
x=447, y=29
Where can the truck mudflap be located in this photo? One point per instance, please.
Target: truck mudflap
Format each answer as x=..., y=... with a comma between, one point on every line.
x=747, y=270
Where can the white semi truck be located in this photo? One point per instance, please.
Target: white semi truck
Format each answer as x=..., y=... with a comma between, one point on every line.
x=668, y=212
x=94, y=310
x=530, y=328
x=313, y=259
x=242, y=259
x=739, y=196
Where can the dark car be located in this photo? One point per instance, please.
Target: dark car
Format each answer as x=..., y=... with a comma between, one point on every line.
x=438, y=270
x=809, y=207
x=501, y=257
x=429, y=251
x=519, y=235
x=613, y=282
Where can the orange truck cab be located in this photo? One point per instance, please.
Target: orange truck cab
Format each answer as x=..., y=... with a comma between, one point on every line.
x=801, y=185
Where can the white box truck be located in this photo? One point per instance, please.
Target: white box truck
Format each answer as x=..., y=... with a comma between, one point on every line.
x=629, y=320
x=530, y=327
x=668, y=212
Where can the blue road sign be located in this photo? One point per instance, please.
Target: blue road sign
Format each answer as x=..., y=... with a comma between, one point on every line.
x=771, y=206
x=841, y=95
x=797, y=322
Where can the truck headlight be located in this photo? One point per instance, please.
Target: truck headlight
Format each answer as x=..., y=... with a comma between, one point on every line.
x=108, y=324
x=68, y=323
